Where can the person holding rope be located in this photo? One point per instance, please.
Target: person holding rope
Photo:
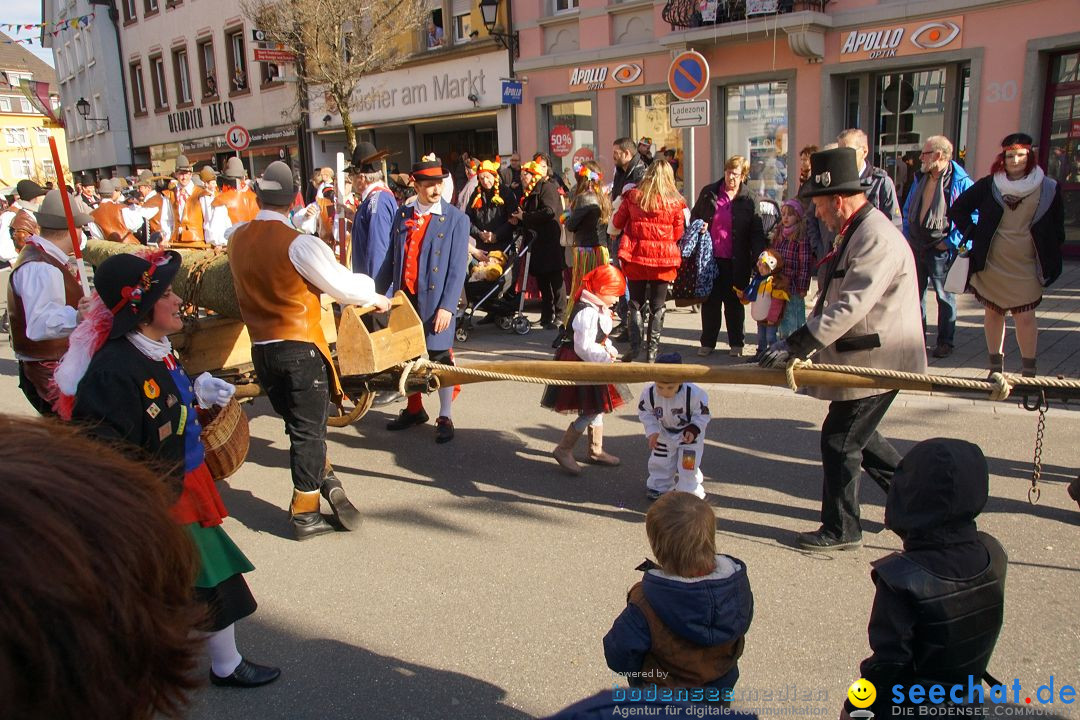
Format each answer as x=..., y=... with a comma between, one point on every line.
x=279, y=275
x=867, y=314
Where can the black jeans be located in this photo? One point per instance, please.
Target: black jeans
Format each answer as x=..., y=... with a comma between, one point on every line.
x=722, y=304
x=650, y=295
x=850, y=442
x=552, y=295
x=293, y=374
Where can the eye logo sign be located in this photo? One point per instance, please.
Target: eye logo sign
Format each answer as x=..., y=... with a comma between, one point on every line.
x=626, y=73
x=935, y=35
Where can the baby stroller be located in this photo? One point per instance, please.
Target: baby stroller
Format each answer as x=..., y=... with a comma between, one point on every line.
x=496, y=296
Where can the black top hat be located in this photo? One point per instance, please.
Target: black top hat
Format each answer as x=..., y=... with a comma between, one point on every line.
x=365, y=156
x=28, y=190
x=833, y=172
x=130, y=284
x=429, y=168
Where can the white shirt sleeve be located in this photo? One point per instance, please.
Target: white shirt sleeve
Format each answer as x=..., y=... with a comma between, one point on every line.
x=133, y=219
x=41, y=287
x=303, y=223
x=217, y=225
x=315, y=262
x=207, y=214
x=645, y=412
x=699, y=408
x=166, y=219
x=585, y=326
x=7, y=245
x=95, y=231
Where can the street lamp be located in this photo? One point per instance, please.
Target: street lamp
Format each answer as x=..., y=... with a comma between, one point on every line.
x=490, y=11
x=84, y=109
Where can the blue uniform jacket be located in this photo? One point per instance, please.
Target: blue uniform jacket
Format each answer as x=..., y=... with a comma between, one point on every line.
x=960, y=182
x=371, y=235
x=443, y=265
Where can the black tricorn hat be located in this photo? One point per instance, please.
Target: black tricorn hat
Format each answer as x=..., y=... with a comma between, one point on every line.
x=365, y=156
x=129, y=284
x=833, y=172
x=428, y=168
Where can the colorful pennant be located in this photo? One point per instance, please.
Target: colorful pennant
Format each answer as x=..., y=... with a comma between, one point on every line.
x=53, y=29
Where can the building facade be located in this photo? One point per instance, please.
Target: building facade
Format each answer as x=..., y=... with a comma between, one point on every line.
x=796, y=73
x=191, y=75
x=24, y=129
x=87, y=61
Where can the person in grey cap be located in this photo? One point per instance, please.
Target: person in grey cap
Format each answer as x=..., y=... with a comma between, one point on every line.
x=184, y=204
x=45, y=301
x=13, y=234
x=235, y=203
x=279, y=274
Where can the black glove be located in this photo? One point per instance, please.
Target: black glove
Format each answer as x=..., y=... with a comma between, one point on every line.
x=776, y=356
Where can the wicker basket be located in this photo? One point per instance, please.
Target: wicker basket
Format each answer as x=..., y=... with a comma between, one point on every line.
x=226, y=438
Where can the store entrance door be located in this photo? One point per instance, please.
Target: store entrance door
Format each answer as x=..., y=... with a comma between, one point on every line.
x=1059, y=149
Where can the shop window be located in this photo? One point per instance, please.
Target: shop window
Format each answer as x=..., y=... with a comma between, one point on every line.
x=910, y=108
x=434, y=35
x=183, y=80
x=238, y=79
x=1060, y=142
x=852, y=110
x=207, y=68
x=138, y=96
x=756, y=127
x=151, y=7
x=129, y=12
x=571, y=136
x=649, y=118
x=157, y=75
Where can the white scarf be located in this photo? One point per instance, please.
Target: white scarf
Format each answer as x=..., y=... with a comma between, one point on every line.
x=153, y=349
x=1021, y=188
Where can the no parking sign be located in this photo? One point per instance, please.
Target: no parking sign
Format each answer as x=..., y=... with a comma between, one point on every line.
x=688, y=75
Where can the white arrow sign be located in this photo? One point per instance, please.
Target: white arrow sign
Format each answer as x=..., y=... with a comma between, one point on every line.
x=694, y=113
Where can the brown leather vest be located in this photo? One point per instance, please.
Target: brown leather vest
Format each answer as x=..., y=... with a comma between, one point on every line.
x=276, y=302
x=188, y=232
x=155, y=202
x=109, y=217
x=240, y=204
x=685, y=663
x=40, y=349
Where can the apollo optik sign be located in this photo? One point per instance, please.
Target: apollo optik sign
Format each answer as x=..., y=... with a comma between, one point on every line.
x=899, y=40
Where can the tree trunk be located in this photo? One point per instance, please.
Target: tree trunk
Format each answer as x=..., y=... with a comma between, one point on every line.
x=215, y=290
x=347, y=126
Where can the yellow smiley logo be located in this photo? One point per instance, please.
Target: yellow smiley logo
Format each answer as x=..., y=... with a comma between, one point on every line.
x=862, y=693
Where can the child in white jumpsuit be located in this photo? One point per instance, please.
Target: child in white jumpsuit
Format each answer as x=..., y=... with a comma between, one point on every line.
x=674, y=416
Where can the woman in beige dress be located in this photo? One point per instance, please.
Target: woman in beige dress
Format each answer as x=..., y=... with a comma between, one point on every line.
x=1015, y=221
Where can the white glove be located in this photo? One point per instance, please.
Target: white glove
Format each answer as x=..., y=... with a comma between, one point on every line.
x=210, y=391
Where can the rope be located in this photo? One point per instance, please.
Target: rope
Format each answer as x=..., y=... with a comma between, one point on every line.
x=421, y=363
x=999, y=385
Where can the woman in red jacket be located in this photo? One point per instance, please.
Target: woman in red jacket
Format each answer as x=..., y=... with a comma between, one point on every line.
x=652, y=217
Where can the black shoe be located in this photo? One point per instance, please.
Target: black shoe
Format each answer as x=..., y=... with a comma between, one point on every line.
x=552, y=325
x=652, y=494
x=308, y=525
x=387, y=397
x=345, y=512
x=444, y=429
x=820, y=540
x=943, y=350
x=406, y=419
x=247, y=675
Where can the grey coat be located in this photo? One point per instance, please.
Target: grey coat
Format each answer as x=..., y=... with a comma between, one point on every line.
x=869, y=314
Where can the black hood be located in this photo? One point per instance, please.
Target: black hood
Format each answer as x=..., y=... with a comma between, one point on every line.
x=938, y=490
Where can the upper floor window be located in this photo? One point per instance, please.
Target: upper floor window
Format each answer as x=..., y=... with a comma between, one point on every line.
x=21, y=168
x=5, y=104
x=435, y=36
x=565, y=5
x=16, y=137
x=183, y=80
x=42, y=135
x=151, y=7
x=238, y=79
x=138, y=96
x=207, y=68
x=129, y=11
x=157, y=75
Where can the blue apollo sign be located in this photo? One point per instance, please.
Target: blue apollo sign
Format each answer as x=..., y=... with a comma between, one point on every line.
x=511, y=92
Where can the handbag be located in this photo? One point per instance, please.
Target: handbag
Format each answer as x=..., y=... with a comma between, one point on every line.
x=956, y=281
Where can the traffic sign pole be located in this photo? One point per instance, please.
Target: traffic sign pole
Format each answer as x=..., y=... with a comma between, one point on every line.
x=689, y=177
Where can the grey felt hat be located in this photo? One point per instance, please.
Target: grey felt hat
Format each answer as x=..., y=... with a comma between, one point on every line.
x=51, y=214
x=234, y=168
x=276, y=187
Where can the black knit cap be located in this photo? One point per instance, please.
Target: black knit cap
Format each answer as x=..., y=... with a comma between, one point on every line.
x=1017, y=139
x=129, y=284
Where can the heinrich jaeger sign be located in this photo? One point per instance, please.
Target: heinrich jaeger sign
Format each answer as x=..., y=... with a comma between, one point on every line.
x=219, y=113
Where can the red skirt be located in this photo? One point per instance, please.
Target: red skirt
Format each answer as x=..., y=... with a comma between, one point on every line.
x=583, y=399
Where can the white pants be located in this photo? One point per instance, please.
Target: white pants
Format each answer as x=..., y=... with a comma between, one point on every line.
x=674, y=465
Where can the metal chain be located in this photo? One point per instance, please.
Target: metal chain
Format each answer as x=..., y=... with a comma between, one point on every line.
x=1035, y=492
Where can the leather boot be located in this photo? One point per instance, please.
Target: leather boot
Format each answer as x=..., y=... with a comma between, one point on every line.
x=1074, y=490
x=597, y=456
x=306, y=519
x=656, y=328
x=997, y=363
x=345, y=512
x=1028, y=367
x=634, y=330
x=564, y=451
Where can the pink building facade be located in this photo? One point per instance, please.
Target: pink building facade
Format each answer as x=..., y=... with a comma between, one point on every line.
x=971, y=70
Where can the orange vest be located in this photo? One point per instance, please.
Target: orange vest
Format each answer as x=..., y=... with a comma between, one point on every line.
x=673, y=661
x=40, y=349
x=109, y=217
x=276, y=302
x=188, y=232
x=240, y=204
x=157, y=202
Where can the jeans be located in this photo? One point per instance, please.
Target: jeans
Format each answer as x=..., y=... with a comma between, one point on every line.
x=766, y=336
x=850, y=442
x=723, y=304
x=293, y=374
x=931, y=267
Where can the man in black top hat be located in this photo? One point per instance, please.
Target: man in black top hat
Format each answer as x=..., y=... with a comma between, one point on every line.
x=867, y=314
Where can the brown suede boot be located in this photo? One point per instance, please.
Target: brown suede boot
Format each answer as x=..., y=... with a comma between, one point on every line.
x=306, y=519
x=597, y=456
x=564, y=451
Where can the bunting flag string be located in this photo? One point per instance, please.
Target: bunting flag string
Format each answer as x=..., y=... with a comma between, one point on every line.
x=53, y=29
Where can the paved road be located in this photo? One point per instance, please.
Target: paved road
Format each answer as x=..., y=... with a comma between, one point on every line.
x=483, y=580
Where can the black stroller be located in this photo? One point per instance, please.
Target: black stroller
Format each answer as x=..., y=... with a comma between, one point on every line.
x=497, y=296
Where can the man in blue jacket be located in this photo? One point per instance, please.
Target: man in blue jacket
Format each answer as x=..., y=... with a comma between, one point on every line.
x=429, y=249
x=933, y=238
x=375, y=215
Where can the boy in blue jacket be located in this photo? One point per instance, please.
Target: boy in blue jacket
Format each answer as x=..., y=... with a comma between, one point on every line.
x=685, y=622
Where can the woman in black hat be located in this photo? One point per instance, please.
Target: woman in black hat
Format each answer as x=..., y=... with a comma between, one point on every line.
x=121, y=378
x=1015, y=220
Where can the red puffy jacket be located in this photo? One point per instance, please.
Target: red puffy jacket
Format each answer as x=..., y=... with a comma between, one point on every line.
x=650, y=238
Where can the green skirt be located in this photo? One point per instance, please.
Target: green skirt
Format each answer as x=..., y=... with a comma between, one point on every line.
x=219, y=558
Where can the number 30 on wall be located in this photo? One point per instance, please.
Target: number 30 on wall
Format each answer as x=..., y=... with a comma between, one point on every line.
x=1001, y=92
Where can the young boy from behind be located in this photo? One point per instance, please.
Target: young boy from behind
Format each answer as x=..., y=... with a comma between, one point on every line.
x=685, y=622
x=674, y=415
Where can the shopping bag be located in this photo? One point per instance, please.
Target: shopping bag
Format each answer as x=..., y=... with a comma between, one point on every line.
x=956, y=281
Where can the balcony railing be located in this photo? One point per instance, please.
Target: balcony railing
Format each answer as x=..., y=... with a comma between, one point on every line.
x=688, y=13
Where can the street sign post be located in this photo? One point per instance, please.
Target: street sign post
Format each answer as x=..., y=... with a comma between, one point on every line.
x=688, y=75
x=694, y=113
x=238, y=138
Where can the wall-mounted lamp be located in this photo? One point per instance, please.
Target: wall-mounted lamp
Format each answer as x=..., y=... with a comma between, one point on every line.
x=83, y=107
x=490, y=11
